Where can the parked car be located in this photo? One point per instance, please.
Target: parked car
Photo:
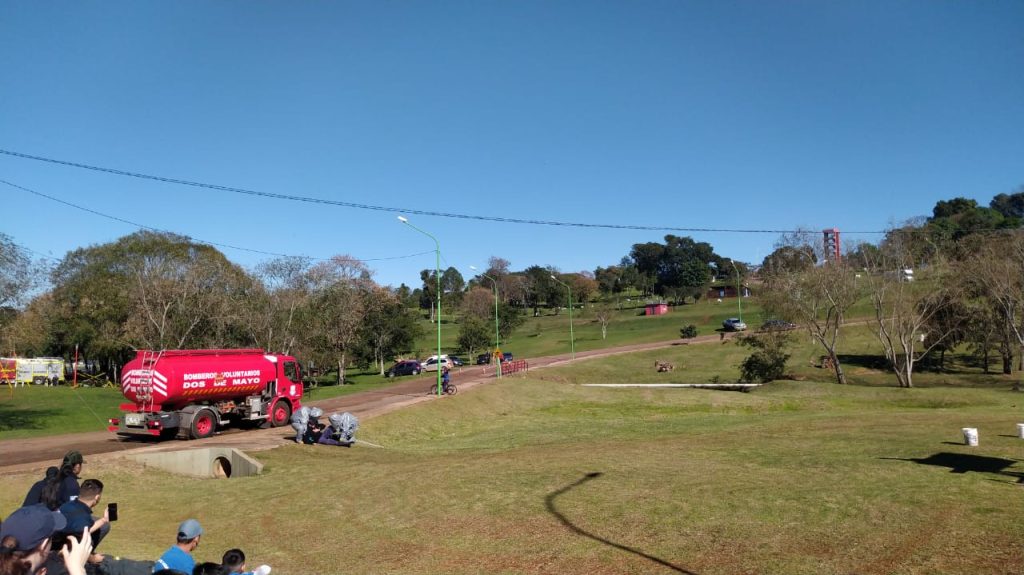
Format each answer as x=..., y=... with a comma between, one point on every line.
x=777, y=325
x=734, y=324
x=507, y=356
x=407, y=367
x=431, y=363
x=483, y=359
x=457, y=361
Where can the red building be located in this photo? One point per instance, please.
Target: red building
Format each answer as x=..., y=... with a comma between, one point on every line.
x=656, y=308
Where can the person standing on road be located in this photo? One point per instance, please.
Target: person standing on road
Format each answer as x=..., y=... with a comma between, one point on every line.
x=179, y=556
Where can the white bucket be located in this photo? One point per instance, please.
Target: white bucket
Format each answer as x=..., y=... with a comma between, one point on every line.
x=1020, y=430
x=970, y=436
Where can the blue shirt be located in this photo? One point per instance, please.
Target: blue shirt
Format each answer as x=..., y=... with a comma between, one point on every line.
x=175, y=558
x=79, y=516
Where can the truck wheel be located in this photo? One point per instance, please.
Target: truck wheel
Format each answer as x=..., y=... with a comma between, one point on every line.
x=204, y=424
x=279, y=416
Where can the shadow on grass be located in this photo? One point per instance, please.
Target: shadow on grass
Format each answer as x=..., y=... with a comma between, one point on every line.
x=549, y=503
x=13, y=419
x=964, y=462
x=877, y=362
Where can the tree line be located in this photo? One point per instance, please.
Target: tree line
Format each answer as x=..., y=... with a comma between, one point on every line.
x=151, y=290
x=933, y=284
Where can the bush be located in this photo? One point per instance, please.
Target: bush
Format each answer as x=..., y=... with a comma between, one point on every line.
x=768, y=362
x=688, y=332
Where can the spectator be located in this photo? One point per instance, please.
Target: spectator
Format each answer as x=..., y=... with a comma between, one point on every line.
x=179, y=557
x=210, y=569
x=26, y=536
x=70, y=471
x=79, y=515
x=35, y=494
x=234, y=563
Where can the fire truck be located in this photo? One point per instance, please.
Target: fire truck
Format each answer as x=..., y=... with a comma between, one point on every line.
x=193, y=393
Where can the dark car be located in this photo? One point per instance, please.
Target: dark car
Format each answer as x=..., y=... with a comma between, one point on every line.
x=777, y=325
x=407, y=367
x=483, y=359
x=507, y=356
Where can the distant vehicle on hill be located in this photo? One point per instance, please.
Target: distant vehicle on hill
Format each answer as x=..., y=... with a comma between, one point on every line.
x=734, y=324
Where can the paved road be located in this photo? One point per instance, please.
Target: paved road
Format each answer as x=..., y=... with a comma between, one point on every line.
x=18, y=455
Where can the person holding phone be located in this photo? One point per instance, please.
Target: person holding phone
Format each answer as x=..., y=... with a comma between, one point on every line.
x=78, y=514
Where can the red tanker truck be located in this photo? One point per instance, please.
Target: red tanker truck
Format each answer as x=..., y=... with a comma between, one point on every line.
x=191, y=393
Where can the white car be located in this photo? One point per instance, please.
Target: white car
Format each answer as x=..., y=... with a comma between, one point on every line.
x=430, y=364
x=734, y=324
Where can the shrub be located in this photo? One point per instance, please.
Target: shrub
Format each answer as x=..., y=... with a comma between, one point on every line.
x=688, y=332
x=768, y=362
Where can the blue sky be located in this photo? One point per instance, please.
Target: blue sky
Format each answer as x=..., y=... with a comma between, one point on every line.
x=746, y=115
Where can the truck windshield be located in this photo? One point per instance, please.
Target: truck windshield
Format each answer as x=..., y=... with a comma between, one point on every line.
x=291, y=371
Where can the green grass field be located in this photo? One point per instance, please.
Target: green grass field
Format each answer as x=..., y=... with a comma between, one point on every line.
x=540, y=475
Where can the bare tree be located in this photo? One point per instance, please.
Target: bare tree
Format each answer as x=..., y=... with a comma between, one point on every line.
x=270, y=308
x=478, y=302
x=181, y=296
x=604, y=313
x=815, y=296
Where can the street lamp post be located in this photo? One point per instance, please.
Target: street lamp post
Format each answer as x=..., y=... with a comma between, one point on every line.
x=494, y=286
x=739, y=290
x=572, y=339
x=437, y=274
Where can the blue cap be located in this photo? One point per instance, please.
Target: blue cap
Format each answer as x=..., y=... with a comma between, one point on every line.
x=31, y=525
x=189, y=529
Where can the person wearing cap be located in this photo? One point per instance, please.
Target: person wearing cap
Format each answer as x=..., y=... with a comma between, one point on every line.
x=35, y=493
x=179, y=556
x=70, y=471
x=26, y=536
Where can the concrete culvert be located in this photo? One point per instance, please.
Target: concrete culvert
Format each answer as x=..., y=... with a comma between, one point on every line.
x=213, y=462
x=221, y=468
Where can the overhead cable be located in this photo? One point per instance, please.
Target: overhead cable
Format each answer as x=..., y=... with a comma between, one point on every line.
x=403, y=210
x=197, y=240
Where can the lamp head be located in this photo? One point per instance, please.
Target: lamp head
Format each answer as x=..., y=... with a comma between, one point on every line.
x=472, y=268
x=403, y=219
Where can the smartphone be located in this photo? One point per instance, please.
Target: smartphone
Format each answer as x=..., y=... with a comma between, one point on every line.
x=112, y=511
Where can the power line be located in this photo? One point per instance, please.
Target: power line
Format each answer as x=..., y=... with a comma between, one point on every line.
x=360, y=206
x=197, y=240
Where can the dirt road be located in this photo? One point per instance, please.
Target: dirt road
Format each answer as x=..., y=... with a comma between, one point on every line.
x=17, y=455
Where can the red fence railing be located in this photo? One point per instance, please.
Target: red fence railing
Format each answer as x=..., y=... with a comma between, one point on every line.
x=509, y=367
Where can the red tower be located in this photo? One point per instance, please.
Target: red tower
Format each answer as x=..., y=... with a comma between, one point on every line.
x=831, y=243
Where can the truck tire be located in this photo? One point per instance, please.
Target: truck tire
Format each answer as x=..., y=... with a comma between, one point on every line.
x=204, y=424
x=281, y=413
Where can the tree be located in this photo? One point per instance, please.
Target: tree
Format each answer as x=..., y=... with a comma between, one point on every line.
x=996, y=271
x=1010, y=206
x=18, y=273
x=509, y=320
x=270, y=308
x=428, y=293
x=768, y=361
x=583, y=287
x=906, y=318
x=452, y=286
x=646, y=258
x=604, y=314
x=389, y=328
x=336, y=312
x=474, y=334
x=817, y=298
x=478, y=302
